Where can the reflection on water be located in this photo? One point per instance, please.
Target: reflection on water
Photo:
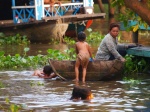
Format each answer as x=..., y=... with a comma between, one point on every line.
x=99, y=25
x=34, y=48
x=41, y=95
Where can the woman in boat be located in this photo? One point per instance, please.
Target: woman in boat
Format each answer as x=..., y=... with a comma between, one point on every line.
x=81, y=93
x=83, y=55
x=108, y=47
x=47, y=73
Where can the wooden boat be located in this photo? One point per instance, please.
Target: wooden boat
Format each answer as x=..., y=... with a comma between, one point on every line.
x=97, y=70
x=35, y=19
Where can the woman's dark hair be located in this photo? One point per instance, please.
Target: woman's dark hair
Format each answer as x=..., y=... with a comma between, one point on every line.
x=47, y=69
x=112, y=25
x=81, y=36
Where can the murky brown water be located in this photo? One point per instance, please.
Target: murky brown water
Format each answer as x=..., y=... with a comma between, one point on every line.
x=41, y=95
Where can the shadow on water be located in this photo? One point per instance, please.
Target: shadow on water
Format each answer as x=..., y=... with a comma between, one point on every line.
x=39, y=95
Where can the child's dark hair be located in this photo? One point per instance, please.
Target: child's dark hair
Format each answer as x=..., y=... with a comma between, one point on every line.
x=112, y=25
x=47, y=70
x=80, y=92
x=81, y=36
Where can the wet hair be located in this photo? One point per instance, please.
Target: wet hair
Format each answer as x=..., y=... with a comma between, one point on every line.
x=80, y=92
x=81, y=36
x=47, y=70
x=112, y=25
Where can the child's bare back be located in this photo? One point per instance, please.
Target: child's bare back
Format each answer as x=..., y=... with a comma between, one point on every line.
x=83, y=54
x=83, y=47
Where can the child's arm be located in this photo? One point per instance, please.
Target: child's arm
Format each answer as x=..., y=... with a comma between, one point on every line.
x=89, y=49
x=76, y=49
x=37, y=73
x=52, y=75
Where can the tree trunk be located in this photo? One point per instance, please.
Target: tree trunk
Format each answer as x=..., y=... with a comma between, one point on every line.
x=111, y=9
x=139, y=7
x=101, y=6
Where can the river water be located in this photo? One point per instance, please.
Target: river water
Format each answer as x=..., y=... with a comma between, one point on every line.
x=39, y=95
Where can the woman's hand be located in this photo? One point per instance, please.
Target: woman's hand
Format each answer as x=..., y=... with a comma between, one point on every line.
x=122, y=59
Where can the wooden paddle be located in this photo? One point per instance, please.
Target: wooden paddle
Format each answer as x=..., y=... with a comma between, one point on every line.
x=56, y=71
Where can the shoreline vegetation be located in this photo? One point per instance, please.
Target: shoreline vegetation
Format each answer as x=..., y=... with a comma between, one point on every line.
x=132, y=68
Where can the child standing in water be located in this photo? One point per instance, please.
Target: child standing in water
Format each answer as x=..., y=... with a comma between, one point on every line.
x=83, y=55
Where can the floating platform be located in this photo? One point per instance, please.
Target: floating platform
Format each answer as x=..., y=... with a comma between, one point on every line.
x=139, y=51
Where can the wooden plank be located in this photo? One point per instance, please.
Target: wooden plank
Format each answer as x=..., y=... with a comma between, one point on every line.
x=139, y=51
x=22, y=7
x=79, y=17
x=65, y=4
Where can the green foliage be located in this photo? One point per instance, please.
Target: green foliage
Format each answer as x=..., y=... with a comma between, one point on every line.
x=13, y=40
x=94, y=37
x=21, y=62
x=56, y=54
x=1, y=85
x=135, y=65
x=69, y=40
x=18, y=62
x=131, y=81
x=12, y=107
x=15, y=108
x=128, y=15
x=33, y=83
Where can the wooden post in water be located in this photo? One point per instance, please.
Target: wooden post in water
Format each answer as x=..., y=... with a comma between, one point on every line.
x=135, y=37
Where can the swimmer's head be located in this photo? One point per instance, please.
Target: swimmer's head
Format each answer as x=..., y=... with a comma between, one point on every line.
x=82, y=93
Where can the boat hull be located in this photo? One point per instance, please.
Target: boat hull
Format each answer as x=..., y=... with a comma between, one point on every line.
x=43, y=32
x=96, y=70
x=36, y=31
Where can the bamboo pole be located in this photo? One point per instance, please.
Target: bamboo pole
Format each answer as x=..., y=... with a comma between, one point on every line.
x=53, y=68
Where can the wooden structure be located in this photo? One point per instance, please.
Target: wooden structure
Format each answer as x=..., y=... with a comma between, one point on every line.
x=39, y=11
x=134, y=34
x=37, y=19
x=97, y=70
x=139, y=51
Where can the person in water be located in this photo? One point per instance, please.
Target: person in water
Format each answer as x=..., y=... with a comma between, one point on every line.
x=83, y=55
x=108, y=47
x=81, y=93
x=52, y=3
x=47, y=73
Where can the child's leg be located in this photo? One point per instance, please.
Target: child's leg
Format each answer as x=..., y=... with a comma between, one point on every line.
x=77, y=64
x=84, y=74
x=84, y=67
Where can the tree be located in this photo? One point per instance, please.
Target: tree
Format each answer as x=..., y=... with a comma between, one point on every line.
x=137, y=10
x=140, y=7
